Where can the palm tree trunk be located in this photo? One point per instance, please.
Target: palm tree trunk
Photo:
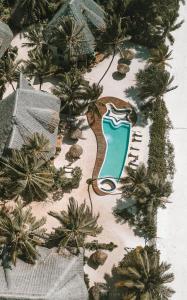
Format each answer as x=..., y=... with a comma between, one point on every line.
x=12, y=86
x=90, y=198
x=114, y=53
x=41, y=82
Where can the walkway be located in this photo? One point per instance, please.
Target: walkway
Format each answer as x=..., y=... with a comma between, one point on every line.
x=172, y=222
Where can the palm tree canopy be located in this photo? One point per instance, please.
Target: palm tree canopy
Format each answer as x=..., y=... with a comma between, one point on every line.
x=37, y=145
x=27, y=176
x=135, y=179
x=76, y=224
x=68, y=37
x=35, y=37
x=29, y=11
x=160, y=56
x=141, y=276
x=40, y=64
x=72, y=90
x=20, y=232
x=153, y=83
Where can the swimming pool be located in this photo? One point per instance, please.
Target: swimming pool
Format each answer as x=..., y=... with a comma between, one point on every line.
x=117, y=136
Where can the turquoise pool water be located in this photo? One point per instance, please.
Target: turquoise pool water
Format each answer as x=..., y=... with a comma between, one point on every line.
x=117, y=136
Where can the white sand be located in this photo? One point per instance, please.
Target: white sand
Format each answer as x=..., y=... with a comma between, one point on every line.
x=118, y=233
x=172, y=222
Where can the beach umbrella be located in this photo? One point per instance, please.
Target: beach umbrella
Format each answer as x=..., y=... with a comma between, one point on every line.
x=76, y=134
x=75, y=151
x=123, y=69
x=128, y=54
x=98, y=257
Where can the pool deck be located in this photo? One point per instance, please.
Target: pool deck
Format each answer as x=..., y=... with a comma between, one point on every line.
x=97, y=129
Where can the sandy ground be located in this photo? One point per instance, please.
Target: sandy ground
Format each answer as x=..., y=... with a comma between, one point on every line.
x=172, y=229
x=120, y=234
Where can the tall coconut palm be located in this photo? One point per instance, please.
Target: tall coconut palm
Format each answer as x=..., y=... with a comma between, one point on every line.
x=160, y=56
x=40, y=65
x=9, y=69
x=27, y=176
x=93, y=92
x=170, y=25
x=20, y=233
x=38, y=146
x=135, y=179
x=35, y=37
x=72, y=90
x=153, y=83
x=141, y=276
x=76, y=224
x=29, y=11
x=114, y=37
x=68, y=37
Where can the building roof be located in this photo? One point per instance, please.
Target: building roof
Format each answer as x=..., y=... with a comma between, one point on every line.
x=25, y=112
x=53, y=277
x=6, y=37
x=86, y=13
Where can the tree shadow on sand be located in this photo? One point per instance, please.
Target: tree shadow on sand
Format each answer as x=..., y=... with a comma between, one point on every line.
x=142, y=53
x=124, y=210
x=132, y=94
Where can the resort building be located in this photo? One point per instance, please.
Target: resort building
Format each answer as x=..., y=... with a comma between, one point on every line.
x=25, y=112
x=86, y=13
x=6, y=37
x=53, y=277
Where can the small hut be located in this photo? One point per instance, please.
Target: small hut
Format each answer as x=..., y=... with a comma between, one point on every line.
x=75, y=152
x=128, y=54
x=98, y=257
x=123, y=69
x=75, y=134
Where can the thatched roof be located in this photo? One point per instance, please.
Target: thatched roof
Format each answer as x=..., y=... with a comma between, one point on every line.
x=53, y=277
x=76, y=134
x=6, y=37
x=75, y=151
x=128, y=54
x=98, y=257
x=86, y=13
x=25, y=112
x=123, y=68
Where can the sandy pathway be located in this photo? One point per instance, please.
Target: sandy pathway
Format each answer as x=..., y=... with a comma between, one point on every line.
x=172, y=222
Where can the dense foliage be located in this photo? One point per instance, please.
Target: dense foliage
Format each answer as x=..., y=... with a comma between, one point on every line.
x=142, y=276
x=146, y=191
x=20, y=233
x=76, y=224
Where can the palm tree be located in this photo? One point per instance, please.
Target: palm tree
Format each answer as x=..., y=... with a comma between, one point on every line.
x=40, y=65
x=29, y=11
x=9, y=69
x=27, y=176
x=160, y=56
x=68, y=37
x=93, y=92
x=153, y=83
x=37, y=146
x=141, y=275
x=135, y=179
x=75, y=225
x=20, y=233
x=170, y=25
x=35, y=37
x=114, y=37
x=72, y=90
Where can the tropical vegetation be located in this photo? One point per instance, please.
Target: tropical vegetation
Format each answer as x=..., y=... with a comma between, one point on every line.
x=146, y=192
x=142, y=276
x=20, y=233
x=76, y=224
x=76, y=94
